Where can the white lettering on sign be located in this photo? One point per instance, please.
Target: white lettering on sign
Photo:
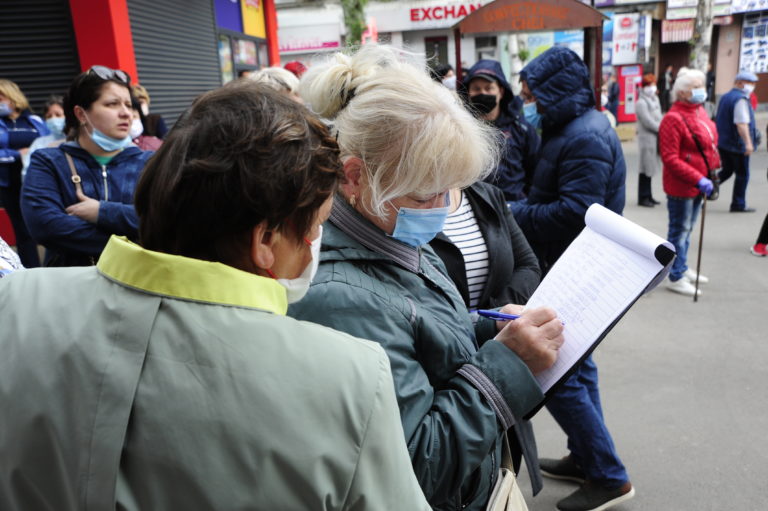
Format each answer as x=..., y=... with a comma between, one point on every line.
x=442, y=12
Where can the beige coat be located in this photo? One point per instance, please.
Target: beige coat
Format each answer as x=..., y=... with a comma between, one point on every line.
x=649, y=117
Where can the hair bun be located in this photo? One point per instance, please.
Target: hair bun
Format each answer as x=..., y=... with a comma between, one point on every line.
x=329, y=87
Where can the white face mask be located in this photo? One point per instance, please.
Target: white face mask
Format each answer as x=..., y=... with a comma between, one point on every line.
x=603, y=99
x=145, y=109
x=298, y=287
x=136, y=129
x=749, y=88
x=450, y=82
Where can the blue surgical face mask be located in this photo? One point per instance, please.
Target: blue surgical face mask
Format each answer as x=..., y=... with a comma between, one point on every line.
x=5, y=109
x=532, y=115
x=417, y=227
x=698, y=96
x=106, y=142
x=55, y=125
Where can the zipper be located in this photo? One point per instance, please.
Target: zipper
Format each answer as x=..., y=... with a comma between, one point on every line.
x=106, y=186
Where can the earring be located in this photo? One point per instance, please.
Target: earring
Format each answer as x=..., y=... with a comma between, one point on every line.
x=352, y=201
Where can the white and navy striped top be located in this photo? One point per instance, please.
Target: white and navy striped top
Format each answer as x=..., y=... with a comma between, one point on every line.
x=463, y=231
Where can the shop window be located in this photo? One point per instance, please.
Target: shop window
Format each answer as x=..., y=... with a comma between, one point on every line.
x=486, y=48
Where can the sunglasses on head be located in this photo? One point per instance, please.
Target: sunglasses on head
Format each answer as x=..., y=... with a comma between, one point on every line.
x=106, y=73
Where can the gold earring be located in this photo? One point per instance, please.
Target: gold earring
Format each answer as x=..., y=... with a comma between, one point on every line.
x=352, y=201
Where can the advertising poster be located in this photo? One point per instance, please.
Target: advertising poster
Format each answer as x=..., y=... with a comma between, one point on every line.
x=626, y=38
x=748, y=5
x=571, y=39
x=754, y=43
x=539, y=42
x=608, y=43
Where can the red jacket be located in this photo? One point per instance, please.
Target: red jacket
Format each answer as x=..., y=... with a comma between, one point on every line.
x=683, y=164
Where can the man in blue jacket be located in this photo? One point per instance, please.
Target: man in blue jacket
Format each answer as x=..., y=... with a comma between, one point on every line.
x=493, y=100
x=581, y=163
x=737, y=137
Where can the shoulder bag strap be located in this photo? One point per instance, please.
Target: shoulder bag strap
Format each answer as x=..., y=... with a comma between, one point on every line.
x=75, y=176
x=698, y=144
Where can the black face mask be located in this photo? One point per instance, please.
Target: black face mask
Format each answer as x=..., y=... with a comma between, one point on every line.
x=483, y=103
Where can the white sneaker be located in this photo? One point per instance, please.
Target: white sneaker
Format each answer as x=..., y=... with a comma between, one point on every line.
x=683, y=287
x=690, y=276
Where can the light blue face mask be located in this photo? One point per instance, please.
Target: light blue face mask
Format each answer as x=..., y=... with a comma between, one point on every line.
x=106, y=142
x=532, y=115
x=416, y=227
x=55, y=125
x=698, y=96
x=5, y=109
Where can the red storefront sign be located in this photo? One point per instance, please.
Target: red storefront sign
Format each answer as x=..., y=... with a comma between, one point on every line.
x=442, y=12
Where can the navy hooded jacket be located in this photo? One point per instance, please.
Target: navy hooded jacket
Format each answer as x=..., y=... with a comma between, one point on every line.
x=521, y=142
x=580, y=162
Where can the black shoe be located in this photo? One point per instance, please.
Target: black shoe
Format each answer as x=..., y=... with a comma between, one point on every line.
x=646, y=203
x=564, y=469
x=655, y=201
x=591, y=497
x=745, y=210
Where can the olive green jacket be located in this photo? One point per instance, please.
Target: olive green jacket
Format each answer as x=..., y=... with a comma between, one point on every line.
x=157, y=382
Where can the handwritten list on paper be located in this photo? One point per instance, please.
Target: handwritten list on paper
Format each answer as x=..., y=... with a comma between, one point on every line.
x=591, y=284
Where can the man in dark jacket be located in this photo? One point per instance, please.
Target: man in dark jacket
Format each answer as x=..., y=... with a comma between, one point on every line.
x=493, y=100
x=581, y=163
x=737, y=137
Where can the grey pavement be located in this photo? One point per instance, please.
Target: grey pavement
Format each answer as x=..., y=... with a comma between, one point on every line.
x=684, y=385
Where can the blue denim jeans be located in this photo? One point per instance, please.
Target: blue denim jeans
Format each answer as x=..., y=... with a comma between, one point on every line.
x=576, y=408
x=682, y=218
x=738, y=165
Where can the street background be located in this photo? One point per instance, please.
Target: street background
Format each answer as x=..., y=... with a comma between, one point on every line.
x=683, y=384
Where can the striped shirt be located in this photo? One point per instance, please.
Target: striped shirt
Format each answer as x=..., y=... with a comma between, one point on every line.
x=463, y=231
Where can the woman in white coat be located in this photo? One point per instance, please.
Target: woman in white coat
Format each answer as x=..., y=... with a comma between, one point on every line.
x=648, y=119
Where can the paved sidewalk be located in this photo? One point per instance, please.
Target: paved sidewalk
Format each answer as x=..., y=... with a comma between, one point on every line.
x=684, y=384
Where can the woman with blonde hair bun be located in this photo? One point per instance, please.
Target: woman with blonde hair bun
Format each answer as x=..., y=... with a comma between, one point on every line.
x=461, y=382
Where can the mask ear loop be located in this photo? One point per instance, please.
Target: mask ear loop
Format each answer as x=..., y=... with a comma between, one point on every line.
x=270, y=273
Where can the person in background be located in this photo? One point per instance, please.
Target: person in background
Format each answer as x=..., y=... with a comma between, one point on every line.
x=489, y=260
x=737, y=140
x=178, y=382
x=444, y=73
x=19, y=127
x=686, y=171
x=492, y=99
x=280, y=80
x=759, y=248
x=296, y=67
x=9, y=260
x=78, y=194
x=54, y=120
x=460, y=385
x=154, y=124
x=613, y=96
x=665, y=98
x=581, y=163
x=648, y=110
x=142, y=141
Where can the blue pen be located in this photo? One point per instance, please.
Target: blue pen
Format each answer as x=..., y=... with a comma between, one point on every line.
x=499, y=316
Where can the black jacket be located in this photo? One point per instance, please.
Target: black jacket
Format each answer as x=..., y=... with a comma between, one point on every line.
x=513, y=275
x=513, y=272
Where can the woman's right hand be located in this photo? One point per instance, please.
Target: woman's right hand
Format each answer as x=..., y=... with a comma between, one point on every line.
x=535, y=337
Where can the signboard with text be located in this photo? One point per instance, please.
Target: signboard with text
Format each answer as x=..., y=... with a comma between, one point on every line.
x=408, y=16
x=626, y=38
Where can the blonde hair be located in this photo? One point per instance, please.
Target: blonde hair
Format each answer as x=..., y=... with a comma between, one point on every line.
x=11, y=91
x=413, y=135
x=684, y=80
x=140, y=93
x=277, y=78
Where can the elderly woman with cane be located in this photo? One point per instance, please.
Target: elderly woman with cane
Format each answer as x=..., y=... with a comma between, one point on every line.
x=689, y=157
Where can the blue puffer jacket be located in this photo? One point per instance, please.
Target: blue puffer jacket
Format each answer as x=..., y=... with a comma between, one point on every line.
x=48, y=190
x=521, y=142
x=580, y=161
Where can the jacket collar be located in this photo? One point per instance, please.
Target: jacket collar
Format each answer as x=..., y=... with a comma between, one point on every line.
x=189, y=279
x=354, y=225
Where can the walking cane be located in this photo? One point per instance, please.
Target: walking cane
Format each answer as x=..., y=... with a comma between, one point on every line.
x=701, y=244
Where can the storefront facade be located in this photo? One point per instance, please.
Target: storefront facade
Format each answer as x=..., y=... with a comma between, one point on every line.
x=176, y=50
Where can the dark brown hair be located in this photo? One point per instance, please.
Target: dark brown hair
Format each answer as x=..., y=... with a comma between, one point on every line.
x=242, y=154
x=85, y=90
